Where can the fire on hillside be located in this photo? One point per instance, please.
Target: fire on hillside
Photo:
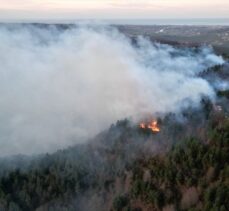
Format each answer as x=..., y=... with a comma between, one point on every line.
x=152, y=125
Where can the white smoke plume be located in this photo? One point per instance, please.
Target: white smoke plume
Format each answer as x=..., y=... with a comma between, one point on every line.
x=59, y=87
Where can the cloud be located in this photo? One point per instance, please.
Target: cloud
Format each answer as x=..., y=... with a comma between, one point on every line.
x=59, y=87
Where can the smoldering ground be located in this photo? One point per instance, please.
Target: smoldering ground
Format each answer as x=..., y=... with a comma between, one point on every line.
x=60, y=87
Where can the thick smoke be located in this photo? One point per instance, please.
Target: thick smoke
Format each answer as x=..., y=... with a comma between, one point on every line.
x=59, y=87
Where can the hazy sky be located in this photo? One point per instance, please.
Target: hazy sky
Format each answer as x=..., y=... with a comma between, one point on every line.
x=112, y=9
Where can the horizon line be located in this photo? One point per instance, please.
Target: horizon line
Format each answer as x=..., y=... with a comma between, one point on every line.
x=124, y=21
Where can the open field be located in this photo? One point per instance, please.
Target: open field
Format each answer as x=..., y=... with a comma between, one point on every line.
x=217, y=36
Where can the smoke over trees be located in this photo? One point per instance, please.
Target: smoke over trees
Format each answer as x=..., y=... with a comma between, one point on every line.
x=62, y=86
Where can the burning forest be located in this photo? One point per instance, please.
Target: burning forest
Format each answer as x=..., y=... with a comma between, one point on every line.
x=152, y=125
x=94, y=120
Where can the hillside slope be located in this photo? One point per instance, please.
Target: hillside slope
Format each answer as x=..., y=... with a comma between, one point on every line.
x=183, y=167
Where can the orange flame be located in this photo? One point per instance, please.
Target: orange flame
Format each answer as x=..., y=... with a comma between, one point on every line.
x=142, y=125
x=153, y=125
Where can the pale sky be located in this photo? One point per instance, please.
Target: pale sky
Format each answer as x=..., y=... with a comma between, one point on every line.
x=112, y=9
